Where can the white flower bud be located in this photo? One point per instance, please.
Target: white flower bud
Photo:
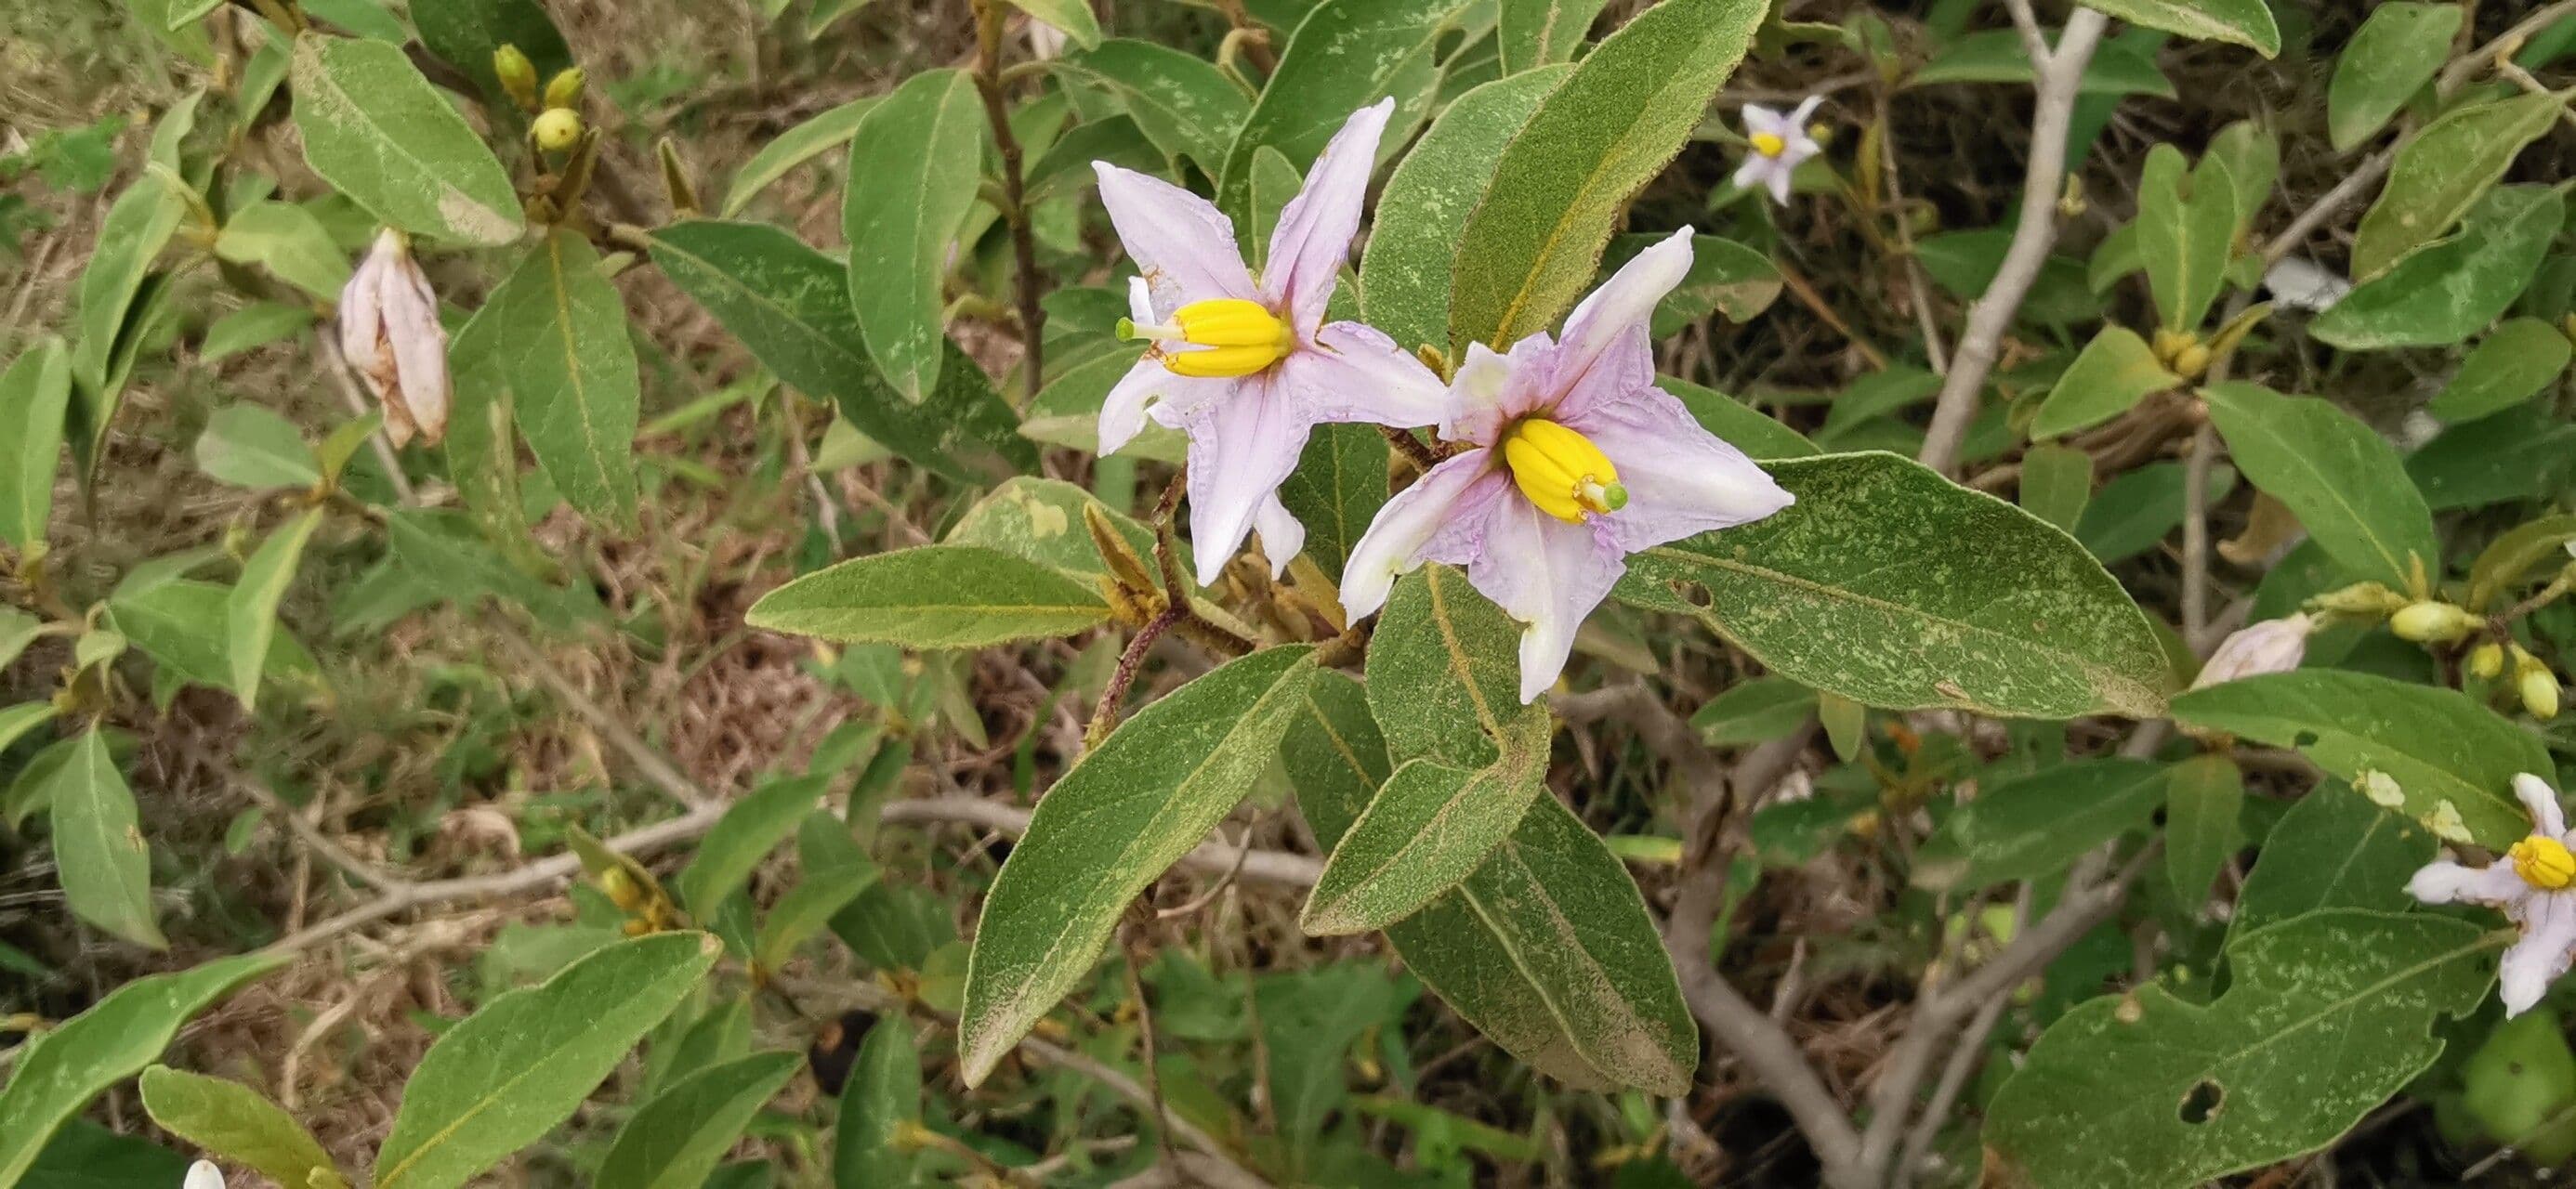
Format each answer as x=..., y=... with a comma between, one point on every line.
x=204, y=1175
x=2272, y=646
x=390, y=332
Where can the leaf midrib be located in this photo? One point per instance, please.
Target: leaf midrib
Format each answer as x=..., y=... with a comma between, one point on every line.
x=350, y=103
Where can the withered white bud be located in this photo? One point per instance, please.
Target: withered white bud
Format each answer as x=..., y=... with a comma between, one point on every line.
x=2272, y=646
x=389, y=330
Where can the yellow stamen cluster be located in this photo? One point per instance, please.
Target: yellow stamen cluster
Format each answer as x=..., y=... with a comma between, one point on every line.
x=1561, y=471
x=1769, y=144
x=2543, y=862
x=1240, y=336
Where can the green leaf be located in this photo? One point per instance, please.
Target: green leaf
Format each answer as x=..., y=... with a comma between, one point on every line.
x=2511, y=559
x=819, y=895
x=559, y=336
x=2186, y=222
x=1405, y=271
x=16, y=721
x=2344, y=481
x=677, y=1139
x=2036, y=826
x=35, y=395
x=2251, y=156
x=881, y=1099
x=1041, y=520
x=239, y=1124
x=255, y=325
x=1444, y=671
x=98, y=842
x=2510, y=366
x=1998, y=56
x=2326, y=1017
x=250, y=445
x=2398, y=49
x=136, y=228
x=2136, y=510
x=1546, y=948
x=1896, y=588
x=2242, y=22
x=2056, y=484
x=2332, y=849
x=2439, y=745
x=915, y=159
x=2447, y=291
x=1430, y=826
x=1754, y=711
x=2204, y=799
x=1745, y=428
x=2113, y=373
x=1071, y=17
x=464, y=34
x=1181, y=101
x=1345, y=55
x=1531, y=247
x=1336, y=490
x=376, y=129
x=792, y=148
x=1725, y=278
x=59, y=1072
x=86, y=1155
x=2440, y=173
x=790, y=305
x=1127, y=811
x=250, y=613
x=286, y=240
x=2521, y=453
x=745, y=835
x=502, y=1078
x=1535, y=33
x=934, y=596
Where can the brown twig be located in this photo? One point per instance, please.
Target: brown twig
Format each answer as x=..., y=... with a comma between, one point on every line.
x=1024, y=248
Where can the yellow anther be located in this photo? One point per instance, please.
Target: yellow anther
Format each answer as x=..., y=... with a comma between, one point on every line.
x=1241, y=337
x=1769, y=144
x=2543, y=862
x=1562, y=472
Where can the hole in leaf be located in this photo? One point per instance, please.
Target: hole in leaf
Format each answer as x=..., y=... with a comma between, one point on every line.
x=1693, y=593
x=2201, y=1105
x=2305, y=739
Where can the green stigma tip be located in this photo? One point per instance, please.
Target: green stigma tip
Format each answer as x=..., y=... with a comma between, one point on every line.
x=1615, y=496
x=1126, y=330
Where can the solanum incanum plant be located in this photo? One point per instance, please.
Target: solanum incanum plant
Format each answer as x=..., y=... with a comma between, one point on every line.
x=1285, y=592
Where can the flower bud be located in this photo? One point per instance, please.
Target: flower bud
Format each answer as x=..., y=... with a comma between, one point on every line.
x=2169, y=343
x=518, y=76
x=2486, y=661
x=622, y=889
x=2365, y=599
x=2537, y=685
x=2431, y=622
x=2191, y=361
x=558, y=130
x=2272, y=646
x=390, y=332
x=564, y=89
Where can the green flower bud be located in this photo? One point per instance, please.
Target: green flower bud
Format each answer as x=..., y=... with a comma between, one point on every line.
x=2486, y=661
x=2537, y=685
x=564, y=90
x=2431, y=622
x=558, y=130
x=2366, y=599
x=518, y=76
x=2191, y=361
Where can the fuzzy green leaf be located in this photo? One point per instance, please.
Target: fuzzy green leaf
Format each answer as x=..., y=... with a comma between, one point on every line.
x=1183, y=104
x=250, y=612
x=2508, y=367
x=2332, y=849
x=2186, y=223
x=2447, y=291
x=2035, y=826
x=35, y=394
x=1345, y=55
x=794, y=147
x=2398, y=49
x=2114, y=372
x=1430, y=826
x=677, y=1139
x=1405, y=272
x=934, y=596
x=1108, y=829
x=915, y=160
x=559, y=336
x=98, y=843
x=239, y=1124
x=377, y=130
x=2243, y=22
x=2344, y=481
x=2440, y=173
x=2204, y=798
x=464, y=33
x=1535, y=33
x=882, y=1097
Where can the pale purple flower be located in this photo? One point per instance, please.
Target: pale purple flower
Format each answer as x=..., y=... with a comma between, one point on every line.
x=1779, y=144
x=390, y=332
x=2272, y=646
x=1248, y=367
x=204, y=1175
x=2534, y=883
x=1577, y=461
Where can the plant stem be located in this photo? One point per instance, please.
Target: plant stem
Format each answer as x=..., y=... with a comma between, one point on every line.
x=1024, y=247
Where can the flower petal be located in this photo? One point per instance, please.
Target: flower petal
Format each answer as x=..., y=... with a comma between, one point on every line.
x=1759, y=119
x=1806, y=111
x=2548, y=943
x=1394, y=541
x=1549, y=575
x=2542, y=801
x=204, y=1175
x=1182, y=244
x=419, y=344
x=1780, y=181
x=2446, y=882
x=1682, y=480
x=1313, y=238
x=1356, y=373
x=1624, y=303
x=1490, y=391
x=1756, y=171
x=1283, y=536
x=1241, y=449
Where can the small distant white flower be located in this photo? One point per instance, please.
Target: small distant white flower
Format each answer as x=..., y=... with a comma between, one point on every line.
x=2272, y=646
x=1779, y=144
x=204, y=1175
x=2534, y=884
x=1046, y=42
x=2301, y=284
x=389, y=330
